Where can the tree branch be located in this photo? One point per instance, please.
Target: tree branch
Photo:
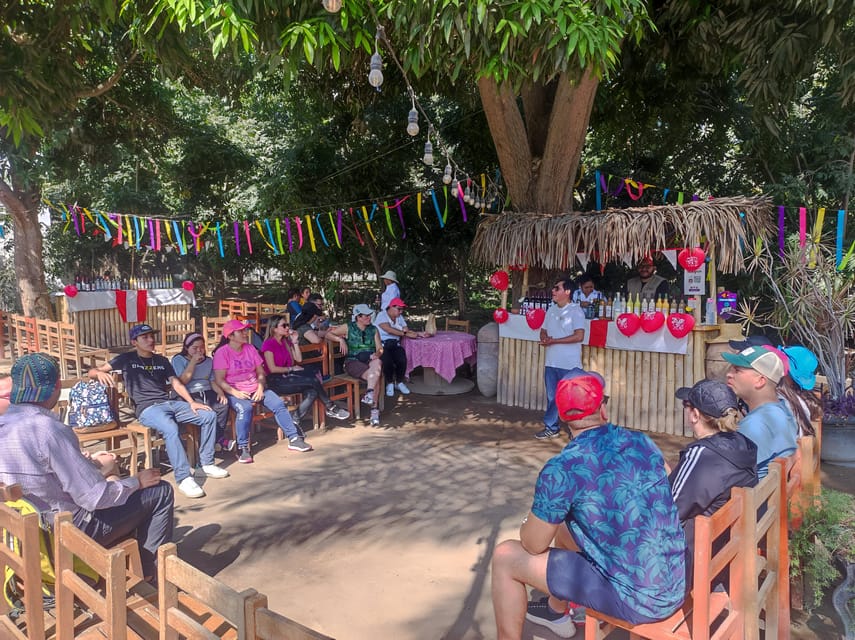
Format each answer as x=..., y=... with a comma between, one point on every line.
x=108, y=84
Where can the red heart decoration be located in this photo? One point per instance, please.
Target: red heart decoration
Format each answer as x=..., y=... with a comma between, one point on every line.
x=499, y=280
x=680, y=324
x=628, y=323
x=691, y=259
x=535, y=318
x=651, y=321
x=500, y=316
x=188, y=285
x=70, y=290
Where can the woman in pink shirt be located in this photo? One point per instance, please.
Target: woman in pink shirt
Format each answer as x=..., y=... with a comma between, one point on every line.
x=239, y=372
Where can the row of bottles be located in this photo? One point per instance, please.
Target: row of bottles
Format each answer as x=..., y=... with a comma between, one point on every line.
x=535, y=302
x=106, y=283
x=610, y=308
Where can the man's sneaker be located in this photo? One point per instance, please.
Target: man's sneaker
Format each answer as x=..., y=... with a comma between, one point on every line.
x=561, y=624
x=245, y=456
x=375, y=417
x=368, y=398
x=546, y=434
x=334, y=411
x=390, y=389
x=190, y=489
x=213, y=471
x=404, y=389
x=298, y=444
x=226, y=444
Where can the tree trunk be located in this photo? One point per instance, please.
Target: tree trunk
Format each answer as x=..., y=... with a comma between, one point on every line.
x=539, y=161
x=23, y=205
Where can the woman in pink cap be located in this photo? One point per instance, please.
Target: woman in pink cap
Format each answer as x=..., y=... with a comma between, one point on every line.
x=239, y=371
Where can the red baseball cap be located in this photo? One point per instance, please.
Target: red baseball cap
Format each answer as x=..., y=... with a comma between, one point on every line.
x=579, y=394
x=397, y=302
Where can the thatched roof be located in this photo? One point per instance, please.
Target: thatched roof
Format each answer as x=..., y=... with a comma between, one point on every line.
x=552, y=241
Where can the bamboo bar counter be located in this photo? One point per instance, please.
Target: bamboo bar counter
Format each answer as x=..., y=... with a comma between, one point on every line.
x=99, y=323
x=640, y=384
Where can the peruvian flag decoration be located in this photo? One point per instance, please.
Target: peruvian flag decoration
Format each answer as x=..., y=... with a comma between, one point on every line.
x=131, y=304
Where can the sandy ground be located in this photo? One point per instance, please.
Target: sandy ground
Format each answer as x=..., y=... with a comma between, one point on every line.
x=387, y=533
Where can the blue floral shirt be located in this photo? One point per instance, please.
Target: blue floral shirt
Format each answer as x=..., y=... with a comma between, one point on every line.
x=609, y=485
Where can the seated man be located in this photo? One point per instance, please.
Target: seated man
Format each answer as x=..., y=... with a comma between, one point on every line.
x=43, y=455
x=647, y=285
x=754, y=375
x=146, y=377
x=606, y=502
x=359, y=340
x=392, y=328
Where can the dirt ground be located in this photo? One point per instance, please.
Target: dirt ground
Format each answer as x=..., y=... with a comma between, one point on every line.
x=388, y=533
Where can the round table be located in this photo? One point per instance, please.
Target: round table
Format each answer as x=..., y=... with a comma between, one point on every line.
x=440, y=356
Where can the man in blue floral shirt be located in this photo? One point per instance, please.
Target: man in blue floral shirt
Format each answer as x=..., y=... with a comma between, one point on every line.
x=605, y=501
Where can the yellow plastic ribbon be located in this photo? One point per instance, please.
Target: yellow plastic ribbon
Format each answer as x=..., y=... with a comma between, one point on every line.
x=368, y=223
x=817, y=234
x=311, y=234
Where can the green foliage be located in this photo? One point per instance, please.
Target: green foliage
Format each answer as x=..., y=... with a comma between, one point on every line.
x=827, y=533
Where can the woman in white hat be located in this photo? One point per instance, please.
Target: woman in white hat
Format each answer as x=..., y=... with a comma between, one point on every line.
x=391, y=290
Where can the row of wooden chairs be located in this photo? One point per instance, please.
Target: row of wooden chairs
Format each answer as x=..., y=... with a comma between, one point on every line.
x=748, y=537
x=188, y=603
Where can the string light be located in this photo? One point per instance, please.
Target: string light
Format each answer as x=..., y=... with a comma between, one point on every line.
x=413, y=117
x=375, y=75
x=446, y=176
x=428, y=158
x=333, y=6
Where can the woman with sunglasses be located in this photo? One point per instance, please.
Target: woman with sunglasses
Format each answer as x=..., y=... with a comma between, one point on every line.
x=721, y=458
x=282, y=355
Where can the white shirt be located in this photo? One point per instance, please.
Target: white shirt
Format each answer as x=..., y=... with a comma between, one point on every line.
x=398, y=323
x=561, y=322
x=390, y=293
x=579, y=296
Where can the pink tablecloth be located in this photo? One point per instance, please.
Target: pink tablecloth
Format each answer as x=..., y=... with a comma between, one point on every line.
x=444, y=352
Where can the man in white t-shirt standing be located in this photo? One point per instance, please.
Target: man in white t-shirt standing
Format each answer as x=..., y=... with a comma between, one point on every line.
x=562, y=334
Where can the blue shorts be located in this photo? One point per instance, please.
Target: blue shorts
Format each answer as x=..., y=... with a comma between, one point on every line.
x=570, y=576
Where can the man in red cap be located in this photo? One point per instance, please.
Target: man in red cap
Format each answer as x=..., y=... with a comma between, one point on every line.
x=647, y=284
x=602, y=532
x=393, y=327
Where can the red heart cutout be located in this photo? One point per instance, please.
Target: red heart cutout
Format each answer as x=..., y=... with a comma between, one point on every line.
x=499, y=280
x=500, y=316
x=680, y=324
x=535, y=318
x=628, y=323
x=651, y=321
x=691, y=259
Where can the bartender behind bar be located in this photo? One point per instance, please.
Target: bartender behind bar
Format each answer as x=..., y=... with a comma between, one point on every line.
x=647, y=285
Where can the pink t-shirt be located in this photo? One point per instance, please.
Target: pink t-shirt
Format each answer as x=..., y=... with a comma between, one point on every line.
x=281, y=353
x=240, y=367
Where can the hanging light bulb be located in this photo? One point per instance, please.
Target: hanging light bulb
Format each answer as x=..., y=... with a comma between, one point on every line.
x=446, y=176
x=413, y=122
x=333, y=6
x=428, y=159
x=467, y=193
x=375, y=75
x=455, y=186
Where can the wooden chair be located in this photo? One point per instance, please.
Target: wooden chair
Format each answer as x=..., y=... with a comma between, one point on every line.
x=351, y=385
x=79, y=356
x=210, y=609
x=457, y=325
x=109, y=564
x=172, y=334
x=4, y=334
x=269, y=625
x=26, y=336
x=27, y=565
x=251, y=314
x=231, y=306
x=703, y=605
x=762, y=571
x=212, y=330
x=50, y=340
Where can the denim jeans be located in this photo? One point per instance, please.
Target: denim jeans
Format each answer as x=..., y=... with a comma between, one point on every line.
x=243, y=416
x=551, y=376
x=307, y=385
x=147, y=515
x=165, y=417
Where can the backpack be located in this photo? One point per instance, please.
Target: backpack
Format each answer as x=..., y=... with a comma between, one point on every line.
x=89, y=408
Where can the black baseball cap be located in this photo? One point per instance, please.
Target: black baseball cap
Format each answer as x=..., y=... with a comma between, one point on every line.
x=710, y=397
x=750, y=341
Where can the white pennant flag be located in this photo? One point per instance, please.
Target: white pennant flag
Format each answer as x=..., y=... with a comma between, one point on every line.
x=671, y=255
x=583, y=260
x=626, y=258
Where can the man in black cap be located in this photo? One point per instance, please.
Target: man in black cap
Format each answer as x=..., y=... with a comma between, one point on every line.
x=147, y=376
x=43, y=455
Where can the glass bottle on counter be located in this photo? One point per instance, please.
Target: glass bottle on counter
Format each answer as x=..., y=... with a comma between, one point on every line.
x=609, y=308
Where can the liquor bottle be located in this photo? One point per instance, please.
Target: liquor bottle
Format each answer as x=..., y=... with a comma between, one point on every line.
x=609, y=308
x=681, y=308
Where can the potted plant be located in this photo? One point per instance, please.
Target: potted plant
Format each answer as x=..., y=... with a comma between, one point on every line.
x=813, y=302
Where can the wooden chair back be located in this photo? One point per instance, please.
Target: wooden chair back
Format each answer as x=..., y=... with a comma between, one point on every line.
x=210, y=607
x=76, y=356
x=269, y=625
x=50, y=340
x=109, y=564
x=27, y=564
x=4, y=334
x=718, y=546
x=762, y=570
x=457, y=325
x=172, y=334
x=212, y=330
x=26, y=335
x=231, y=306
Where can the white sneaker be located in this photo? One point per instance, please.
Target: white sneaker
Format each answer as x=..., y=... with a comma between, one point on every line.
x=213, y=471
x=375, y=417
x=404, y=389
x=190, y=489
x=368, y=398
x=390, y=389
